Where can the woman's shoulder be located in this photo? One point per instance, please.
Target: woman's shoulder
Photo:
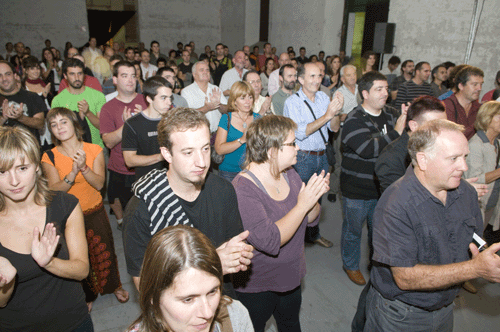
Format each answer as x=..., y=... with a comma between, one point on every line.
x=92, y=147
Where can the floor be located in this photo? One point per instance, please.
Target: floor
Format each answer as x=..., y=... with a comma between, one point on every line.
x=329, y=298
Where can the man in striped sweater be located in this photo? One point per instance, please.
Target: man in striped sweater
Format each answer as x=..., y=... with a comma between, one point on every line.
x=415, y=87
x=367, y=129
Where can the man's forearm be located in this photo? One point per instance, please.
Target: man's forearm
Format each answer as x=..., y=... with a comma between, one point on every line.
x=335, y=124
x=433, y=277
x=316, y=125
x=113, y=138
x=32, y=122
x=93, y=119
x=141, y=160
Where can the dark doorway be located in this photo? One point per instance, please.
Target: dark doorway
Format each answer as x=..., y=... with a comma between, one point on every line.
x=264, y=20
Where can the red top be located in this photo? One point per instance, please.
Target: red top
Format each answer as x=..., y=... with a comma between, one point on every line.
x=456, y=113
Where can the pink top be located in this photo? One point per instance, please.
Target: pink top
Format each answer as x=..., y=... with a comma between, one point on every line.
x=111, y=118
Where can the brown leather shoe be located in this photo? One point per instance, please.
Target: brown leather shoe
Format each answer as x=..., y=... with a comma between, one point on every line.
x=324, y=242
x=469, y=287
x=355, y=276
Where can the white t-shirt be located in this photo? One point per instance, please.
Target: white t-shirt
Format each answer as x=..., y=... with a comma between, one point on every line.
x=195, y=98
x=150, y=70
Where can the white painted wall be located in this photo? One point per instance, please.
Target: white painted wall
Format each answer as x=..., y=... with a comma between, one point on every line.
x=438, y=31
x=314, y=24
x=31, y=22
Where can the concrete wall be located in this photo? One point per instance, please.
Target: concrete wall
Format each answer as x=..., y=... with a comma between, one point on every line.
x=233, y=24
x=31, y=22
x=314, y=24
x=438, y=31
x=252, y=22
x=180, y=20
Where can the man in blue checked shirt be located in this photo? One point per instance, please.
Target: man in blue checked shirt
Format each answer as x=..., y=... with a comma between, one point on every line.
x=314, y=114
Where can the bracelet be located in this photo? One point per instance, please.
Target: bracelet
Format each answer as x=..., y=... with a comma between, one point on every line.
x=84, y=169
x=68, y=181
x=239, y=141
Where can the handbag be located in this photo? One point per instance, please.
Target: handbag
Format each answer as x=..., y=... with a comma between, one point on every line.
x=218, y=158
x=330, y=151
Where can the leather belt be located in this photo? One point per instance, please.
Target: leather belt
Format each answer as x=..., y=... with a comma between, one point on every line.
x=314, y=153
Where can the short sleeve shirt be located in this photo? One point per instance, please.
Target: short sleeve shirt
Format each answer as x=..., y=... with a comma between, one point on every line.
x=111, y=118
x=94, y=98
x=140, y=134
x=411, y=226
x=32, y=104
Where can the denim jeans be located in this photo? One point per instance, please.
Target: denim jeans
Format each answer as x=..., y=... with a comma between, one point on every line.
x=284, y=306
x=356, y=211
x=308, y=164
x=396, y=316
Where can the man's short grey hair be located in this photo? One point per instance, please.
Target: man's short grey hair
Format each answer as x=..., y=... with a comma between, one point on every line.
x=195, y=65
x=346, y=66
x=424, y=138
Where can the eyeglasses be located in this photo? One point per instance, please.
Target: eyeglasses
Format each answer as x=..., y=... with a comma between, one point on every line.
x=294, y=144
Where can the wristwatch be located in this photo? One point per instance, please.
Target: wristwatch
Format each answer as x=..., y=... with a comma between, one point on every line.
x=68, y=181
x=239, y=141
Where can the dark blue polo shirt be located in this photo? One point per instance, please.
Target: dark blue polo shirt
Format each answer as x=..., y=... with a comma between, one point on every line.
x=411, y=226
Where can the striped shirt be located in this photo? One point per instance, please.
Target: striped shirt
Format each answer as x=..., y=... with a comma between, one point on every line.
x=410, y=90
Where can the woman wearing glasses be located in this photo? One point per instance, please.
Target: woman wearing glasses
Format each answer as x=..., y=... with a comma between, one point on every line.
x=276, y=207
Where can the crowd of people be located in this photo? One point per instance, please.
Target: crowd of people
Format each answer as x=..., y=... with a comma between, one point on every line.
x=215, y=166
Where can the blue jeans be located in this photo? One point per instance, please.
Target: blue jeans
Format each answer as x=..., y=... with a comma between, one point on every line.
x=356, y=211
x=307, y=165
x=395, y=316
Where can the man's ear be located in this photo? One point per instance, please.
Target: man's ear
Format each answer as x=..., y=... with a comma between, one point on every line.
x=422, y=160
x=413, y=125
x=166, y=154
x=115, y=81
x=365, y=94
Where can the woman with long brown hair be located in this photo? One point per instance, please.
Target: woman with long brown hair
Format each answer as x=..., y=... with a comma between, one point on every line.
x=181, y=285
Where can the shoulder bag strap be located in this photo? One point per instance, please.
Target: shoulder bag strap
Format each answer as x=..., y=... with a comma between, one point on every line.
x=314, y=116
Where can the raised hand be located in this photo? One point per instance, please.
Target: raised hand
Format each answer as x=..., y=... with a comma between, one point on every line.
x=43, y=247
x=80, y=158
x=83, y=107
x=46, y=90
x=335, y=106
x=7, y=271
x=310, y=194
x=127, y=113
x=266, y=106
x=236, y=254
x=401, y=121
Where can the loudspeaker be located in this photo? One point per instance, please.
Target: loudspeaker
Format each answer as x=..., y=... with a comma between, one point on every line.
x=383, y=40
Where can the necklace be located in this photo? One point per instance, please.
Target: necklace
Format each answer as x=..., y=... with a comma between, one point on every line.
x=244, y=121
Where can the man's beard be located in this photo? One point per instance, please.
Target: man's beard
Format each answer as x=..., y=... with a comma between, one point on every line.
x=289, y=85
x=76, y=84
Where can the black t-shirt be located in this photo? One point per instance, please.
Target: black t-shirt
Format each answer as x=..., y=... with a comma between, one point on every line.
x=185, y=68
x=214, y=212
x=140, y=134
x=42, y=301
x=32, y=104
